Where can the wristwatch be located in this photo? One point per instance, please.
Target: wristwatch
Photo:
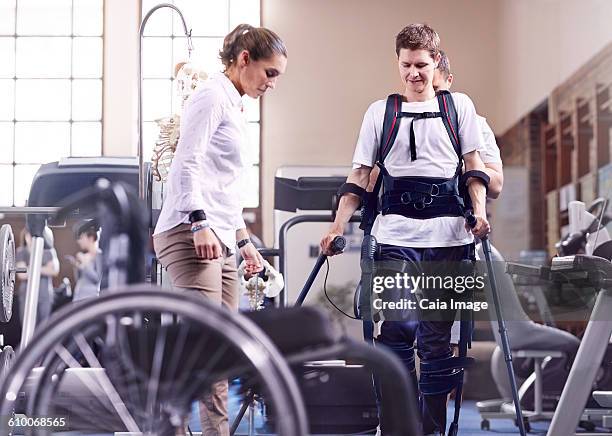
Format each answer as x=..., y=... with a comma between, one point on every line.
x=197, y=215
x=243, y=242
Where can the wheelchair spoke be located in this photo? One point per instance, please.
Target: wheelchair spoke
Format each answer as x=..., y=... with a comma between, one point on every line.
x=153, y=384
x=107, y=385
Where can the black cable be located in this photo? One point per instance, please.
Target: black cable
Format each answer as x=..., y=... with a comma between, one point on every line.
x=327, y=296
x=189, y=429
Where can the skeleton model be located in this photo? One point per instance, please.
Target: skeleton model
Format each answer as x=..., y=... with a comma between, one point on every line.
x=187, y=79
x=256, y=287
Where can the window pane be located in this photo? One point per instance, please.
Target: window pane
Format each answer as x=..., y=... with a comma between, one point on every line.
x=251, y=187
x=44, y=17
x=156, y=99
x=87, y=99
x=160, y=22
x=6, y=143
x=7, y=12
x=244, y=11
x=205, y=55
x=86, y=139
x=88, y=17
x=7, y=54
x=41, y=142
x=7, y=102
x=23, y=180
x=252, y=151
x=157, y=57
x=251, y=108
x=204, y=17
x=87, y=57
x=43, y=57
x=6, y=181
x=43, y=100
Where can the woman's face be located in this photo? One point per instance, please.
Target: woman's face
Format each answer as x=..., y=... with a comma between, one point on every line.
x=416, y=68
x=256, y=77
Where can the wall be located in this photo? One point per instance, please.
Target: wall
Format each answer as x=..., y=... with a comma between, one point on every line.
x=543, y=43
x=342, y=57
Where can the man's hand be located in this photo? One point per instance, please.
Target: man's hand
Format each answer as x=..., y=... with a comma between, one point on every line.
x=482, y=227
x=252, y=258
x=327, y=239
x=207, y=245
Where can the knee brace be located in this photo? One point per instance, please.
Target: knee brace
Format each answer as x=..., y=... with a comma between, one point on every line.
x=401, y=350
x=442, y=375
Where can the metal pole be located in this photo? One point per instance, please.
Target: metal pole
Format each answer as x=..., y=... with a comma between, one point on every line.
x=32, y=291
x=503, y=333
x=141, y=176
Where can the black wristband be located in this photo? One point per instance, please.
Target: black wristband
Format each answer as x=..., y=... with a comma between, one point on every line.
x=197, y=215
x=243, y=242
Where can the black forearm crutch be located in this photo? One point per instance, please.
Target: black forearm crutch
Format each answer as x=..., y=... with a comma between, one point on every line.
x=503, y=333
x=337, y=245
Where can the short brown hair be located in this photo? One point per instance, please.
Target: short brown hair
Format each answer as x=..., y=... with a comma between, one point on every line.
x=418, y=37
x=261, y=43
x=444, y=65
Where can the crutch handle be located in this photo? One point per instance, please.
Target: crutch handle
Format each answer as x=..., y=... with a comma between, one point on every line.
x=470, y=219
x=338, y=244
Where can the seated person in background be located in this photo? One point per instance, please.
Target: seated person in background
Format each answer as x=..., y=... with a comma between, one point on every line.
x=50, y=268
x=88, y=261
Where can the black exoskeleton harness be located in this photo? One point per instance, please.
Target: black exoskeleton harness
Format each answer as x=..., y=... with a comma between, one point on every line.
x=415, y=197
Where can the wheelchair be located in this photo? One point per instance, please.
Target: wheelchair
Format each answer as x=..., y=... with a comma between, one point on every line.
x=137, y=357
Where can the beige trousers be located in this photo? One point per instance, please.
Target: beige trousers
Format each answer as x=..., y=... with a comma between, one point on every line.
x=216, y=280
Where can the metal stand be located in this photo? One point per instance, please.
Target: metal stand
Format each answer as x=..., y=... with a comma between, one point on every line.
x=141, y=175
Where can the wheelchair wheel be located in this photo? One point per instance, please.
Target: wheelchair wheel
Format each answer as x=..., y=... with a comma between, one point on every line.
x=136, y=359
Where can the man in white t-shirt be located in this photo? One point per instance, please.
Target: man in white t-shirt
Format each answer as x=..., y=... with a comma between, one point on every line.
x=409, y=228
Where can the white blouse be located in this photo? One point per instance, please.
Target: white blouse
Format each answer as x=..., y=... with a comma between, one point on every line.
x=208, y=168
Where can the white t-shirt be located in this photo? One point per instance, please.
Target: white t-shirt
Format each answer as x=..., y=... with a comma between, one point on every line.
x=436, y=157
x=491, y=153
x=207, y=171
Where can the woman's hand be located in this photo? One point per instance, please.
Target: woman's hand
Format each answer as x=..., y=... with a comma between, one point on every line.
x=252, y=258
x=207, y=245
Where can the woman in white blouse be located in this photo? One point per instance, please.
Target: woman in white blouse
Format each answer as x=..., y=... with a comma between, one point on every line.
x=201, y=220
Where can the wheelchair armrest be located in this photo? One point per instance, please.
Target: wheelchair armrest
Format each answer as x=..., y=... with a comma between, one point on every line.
x=296, y=329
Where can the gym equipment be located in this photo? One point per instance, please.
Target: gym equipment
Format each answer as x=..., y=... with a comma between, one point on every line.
x=7, y=271
x=586, y=228
x=548, y=348
x=503, y=333
x=543, y=344
x=307, y=196
x=581, y=271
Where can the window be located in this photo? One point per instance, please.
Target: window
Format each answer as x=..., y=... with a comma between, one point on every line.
x=165, y=45
x=51, y=87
